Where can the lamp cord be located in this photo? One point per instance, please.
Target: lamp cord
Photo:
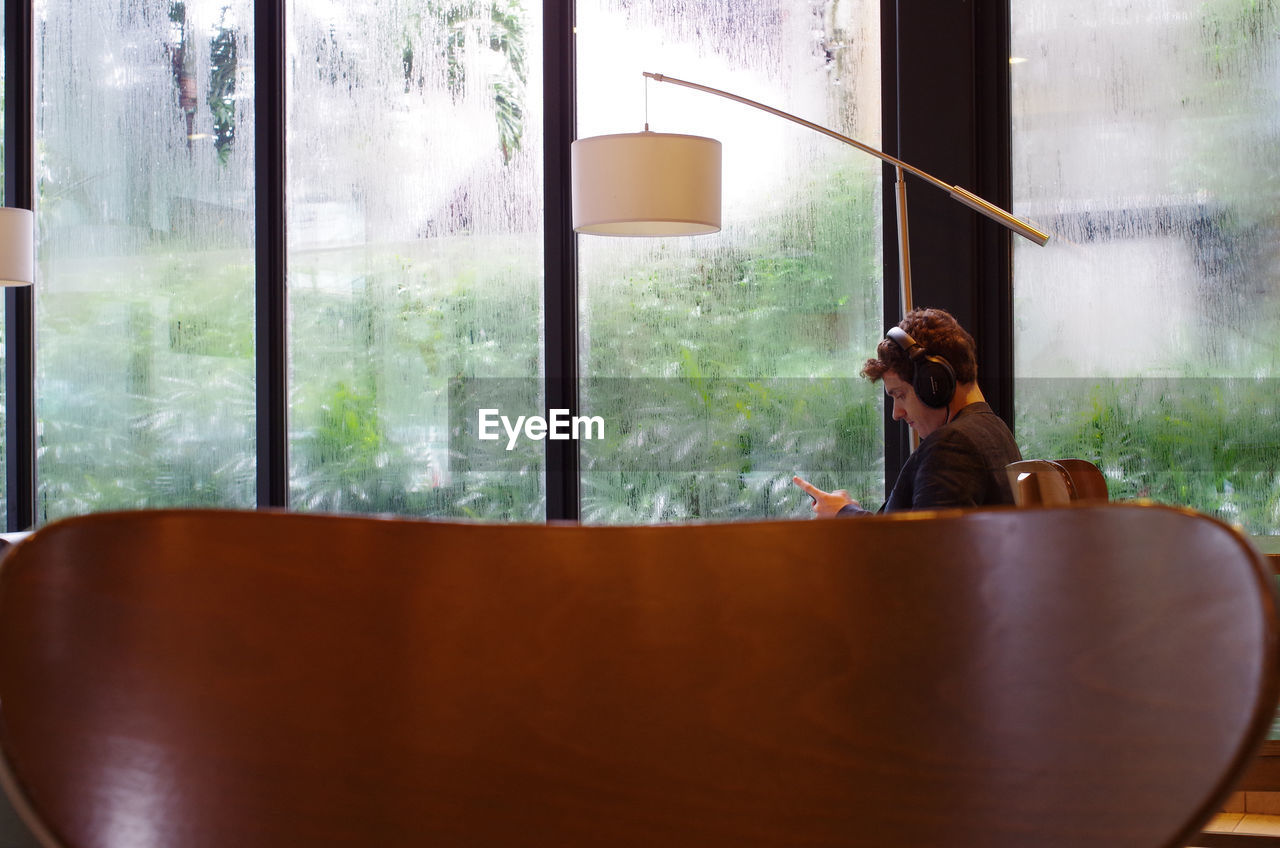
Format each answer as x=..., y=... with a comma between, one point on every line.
x=646, y=104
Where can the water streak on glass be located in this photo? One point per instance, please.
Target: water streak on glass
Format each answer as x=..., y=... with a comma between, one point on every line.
x=415, y=252
x=145, y=220
x=1148, y=140
x=724, y=364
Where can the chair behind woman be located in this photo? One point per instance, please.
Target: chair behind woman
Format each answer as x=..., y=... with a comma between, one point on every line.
x=1056, y=482
x=1040, y=482
x=1087, y=478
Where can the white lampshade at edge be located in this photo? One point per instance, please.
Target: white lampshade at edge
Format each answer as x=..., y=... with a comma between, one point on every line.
x=17, y=246
x=646, y=184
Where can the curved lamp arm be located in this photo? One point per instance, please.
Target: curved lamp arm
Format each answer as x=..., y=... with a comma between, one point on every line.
x=667, y=184
x=966, y=197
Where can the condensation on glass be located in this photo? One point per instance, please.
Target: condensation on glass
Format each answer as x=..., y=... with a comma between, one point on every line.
x=145, y=216
x=724, y=364
x=1147, y=140
x=415, y=255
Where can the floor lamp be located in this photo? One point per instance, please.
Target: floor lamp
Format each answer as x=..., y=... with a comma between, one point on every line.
x=664, y=184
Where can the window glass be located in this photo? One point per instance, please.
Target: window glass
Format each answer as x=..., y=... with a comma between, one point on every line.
x=1147, y=140
x=723, y=364
x=144, y=315
x=415, y=255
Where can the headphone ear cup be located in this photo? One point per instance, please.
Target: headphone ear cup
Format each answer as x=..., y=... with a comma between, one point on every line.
x=934, y=381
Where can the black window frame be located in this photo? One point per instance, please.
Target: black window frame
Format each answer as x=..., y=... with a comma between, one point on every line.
x=945, y=107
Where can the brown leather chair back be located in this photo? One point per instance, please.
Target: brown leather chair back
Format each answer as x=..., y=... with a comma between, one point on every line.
x=1086, y=478
x=1055, y=677
x=1040, y=482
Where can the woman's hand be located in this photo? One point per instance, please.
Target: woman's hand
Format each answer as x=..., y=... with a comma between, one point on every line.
x=825, y=504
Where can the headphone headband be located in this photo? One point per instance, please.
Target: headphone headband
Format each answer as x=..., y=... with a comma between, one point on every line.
x=902, y=339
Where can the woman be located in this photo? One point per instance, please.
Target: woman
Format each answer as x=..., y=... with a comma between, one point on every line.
x=930, y=370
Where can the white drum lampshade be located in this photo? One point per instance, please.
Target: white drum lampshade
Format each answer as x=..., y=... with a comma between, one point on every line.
x=17, y=246
x=646, y=184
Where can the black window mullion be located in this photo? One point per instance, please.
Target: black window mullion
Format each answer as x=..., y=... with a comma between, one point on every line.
x=19, y=338
x=897, y=440
x=560, y=282
x=994, y=181
x=945, y=95
x=269, y=212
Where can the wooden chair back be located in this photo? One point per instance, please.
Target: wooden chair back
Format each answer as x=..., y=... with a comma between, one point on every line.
x=1086, y=478
x=1263, y=774
x=1056, y=677
x=1040, y=482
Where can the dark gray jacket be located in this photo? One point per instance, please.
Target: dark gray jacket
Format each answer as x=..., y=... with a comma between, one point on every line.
x=959, y=464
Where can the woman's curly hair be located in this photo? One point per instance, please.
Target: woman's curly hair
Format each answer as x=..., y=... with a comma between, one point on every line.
x=939, y=334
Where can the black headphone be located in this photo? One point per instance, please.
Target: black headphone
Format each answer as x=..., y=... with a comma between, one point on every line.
x=933, y=378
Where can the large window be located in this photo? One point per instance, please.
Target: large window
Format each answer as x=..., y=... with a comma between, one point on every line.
x=724, y=364
x=1149, y=142
x=415, y=259
x=144, y=314
x=416, y=263
x=414, y=202
x=415, y=254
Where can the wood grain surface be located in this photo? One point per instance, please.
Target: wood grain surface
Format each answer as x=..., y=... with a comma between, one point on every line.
x=1044, y=677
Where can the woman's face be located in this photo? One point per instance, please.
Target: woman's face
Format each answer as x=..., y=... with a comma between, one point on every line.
x=908, y=406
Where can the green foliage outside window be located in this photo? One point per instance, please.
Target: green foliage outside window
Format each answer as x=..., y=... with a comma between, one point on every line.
x=730, y=370
x=743, y=434
x=1208, y=444
x=156, y=435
